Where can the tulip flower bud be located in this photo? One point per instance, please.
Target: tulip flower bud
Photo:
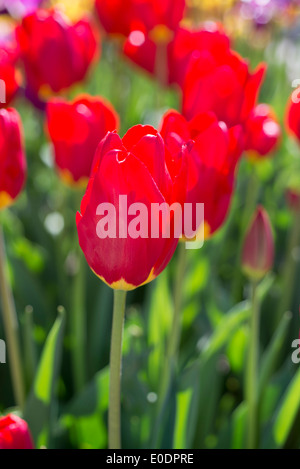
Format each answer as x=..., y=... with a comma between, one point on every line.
x=76, y=128
x=12, y=157
x=262, y=132
x=258, y=249
x=14, y=433
x=62, y=54
x=293, y=199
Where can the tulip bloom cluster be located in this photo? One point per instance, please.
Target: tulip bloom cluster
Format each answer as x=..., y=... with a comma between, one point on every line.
x=121, y=17
x=76, y=128
x=142, y=49
x=213, y=78
x=12, y=157
x=56, y=53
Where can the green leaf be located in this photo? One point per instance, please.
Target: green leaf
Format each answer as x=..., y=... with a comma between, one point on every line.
x=85, y=415
x=159, y=324
x=287, y=412
x=265, y=285
x=43, y=385
x=226, y=328
x=181, y=427
x=38, y=410
x=271, y=356
x=239, y=421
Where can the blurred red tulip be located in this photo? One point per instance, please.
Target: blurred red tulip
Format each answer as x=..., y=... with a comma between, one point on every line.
x=258, y=250
x=293, y=115
x=262, y=132
x=12, y=157
x=222, y=83
x=142, y=50
x=135, y=167
x=56, y=53
x=293, y=199
x=123, y=16
x=212, y=161
x=9, y=75
x=76, y=128
x=14, y=433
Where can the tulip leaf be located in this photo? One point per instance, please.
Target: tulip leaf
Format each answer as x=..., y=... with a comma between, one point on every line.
x=226, y=328
x=233, y=432
x=181, y=427
x=159, y=324
x=287, y=412
x=85, y=415
x=205, y=379
x=272, y=354
x=38, y=408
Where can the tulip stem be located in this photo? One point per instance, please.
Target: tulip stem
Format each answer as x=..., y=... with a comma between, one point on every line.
x=174, y=340
x=78, y=319
x=252, y=372
x=250, y=203
x=11, y=329
x=178, y=293
x=289, y=269
x=78, y=324
x=114, y=412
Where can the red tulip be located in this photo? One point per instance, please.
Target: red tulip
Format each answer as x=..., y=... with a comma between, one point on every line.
x=123, y=16
x=135, y=168
x=142, y=50
x=76, y=128
x=8, y=73
x=223, y=84
x=262, y=131
x=293, y=115
x=115, y=16
x=258, y=250
x=56, y=53
x=293, y=199
x=12, y=157
x=14, y=433
x=212, y=161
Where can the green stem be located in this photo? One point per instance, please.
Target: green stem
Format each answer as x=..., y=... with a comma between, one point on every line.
x=178, y=294
x=175, y=333
x=252, y=373
x=30, y=356
x=11, y=329
x=250, y=204
x=161, y=72
x=171, y=359
x=289, y=271
x=114, y=412
x=78, y=319
x=78, y=324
